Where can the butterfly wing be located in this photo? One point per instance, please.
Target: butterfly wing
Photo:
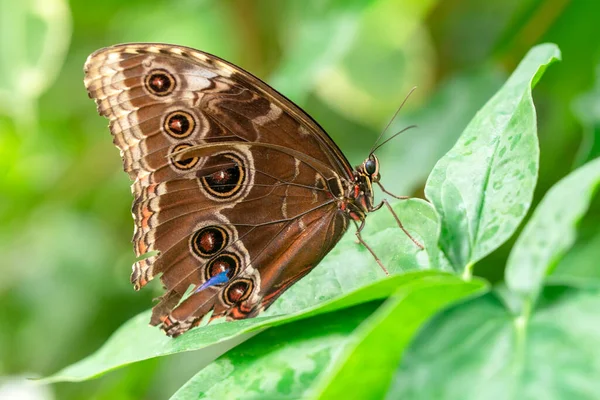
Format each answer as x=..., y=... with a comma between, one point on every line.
x=229, y=176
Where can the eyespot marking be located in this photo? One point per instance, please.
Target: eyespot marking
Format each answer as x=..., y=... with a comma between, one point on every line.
x=223, y=262
x=160, y=82
x=187, y=163
x=209, y=241
x=227, y=181
x=179, y=124
x=238, y=291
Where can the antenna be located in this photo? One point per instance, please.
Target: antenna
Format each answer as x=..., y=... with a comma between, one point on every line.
x=393, y=136
x=375, y=146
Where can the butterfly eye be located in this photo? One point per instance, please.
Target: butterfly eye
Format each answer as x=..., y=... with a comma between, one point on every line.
x=370, y=166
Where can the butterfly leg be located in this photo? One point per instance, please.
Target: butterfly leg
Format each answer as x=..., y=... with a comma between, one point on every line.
x=384, y=201
x=392, y=194
x=360, y=239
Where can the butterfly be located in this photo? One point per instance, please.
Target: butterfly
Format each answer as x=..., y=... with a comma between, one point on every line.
x=238, y=193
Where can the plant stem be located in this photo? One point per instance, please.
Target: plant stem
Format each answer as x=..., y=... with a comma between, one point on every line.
x=468, y=272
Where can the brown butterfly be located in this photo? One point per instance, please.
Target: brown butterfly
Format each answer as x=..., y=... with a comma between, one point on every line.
x=238, y=192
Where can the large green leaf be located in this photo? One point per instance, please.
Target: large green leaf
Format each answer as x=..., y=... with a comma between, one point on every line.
x=367, y=365
x=479, y=350
x=579, y=267
x=550, y=232
x=348, y=276
x=283, y=362
x=482, y=188
x=350, y=266
x=587, y=109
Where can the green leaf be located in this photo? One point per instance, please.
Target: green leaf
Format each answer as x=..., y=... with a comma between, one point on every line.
x=348, y=276
x=136, y=341
x=478, y=350
x=350, y=266
x=284, y=362
x=482, y=188
x=550, y=232
x=579, y=267
x=367, y=365
x=587, y=109
x=281, y=363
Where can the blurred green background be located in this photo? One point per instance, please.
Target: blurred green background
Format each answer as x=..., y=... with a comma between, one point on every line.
x=65, y=230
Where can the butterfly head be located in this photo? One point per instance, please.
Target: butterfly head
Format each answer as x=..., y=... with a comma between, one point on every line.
x=370, y=168
x=360, y=191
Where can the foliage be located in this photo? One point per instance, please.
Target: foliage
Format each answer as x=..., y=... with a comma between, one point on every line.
x=498, y=304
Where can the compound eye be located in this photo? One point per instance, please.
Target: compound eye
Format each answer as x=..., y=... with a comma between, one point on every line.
x=370, y=166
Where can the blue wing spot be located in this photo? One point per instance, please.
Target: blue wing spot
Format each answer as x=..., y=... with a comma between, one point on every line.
x=218, y=279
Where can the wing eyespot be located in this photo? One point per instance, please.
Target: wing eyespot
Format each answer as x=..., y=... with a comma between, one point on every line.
x=238, y=291
x=160, y=82
x=179, y=124
x=209, y=240
x=225, y=182
x=224, y=262
x=186, y=163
